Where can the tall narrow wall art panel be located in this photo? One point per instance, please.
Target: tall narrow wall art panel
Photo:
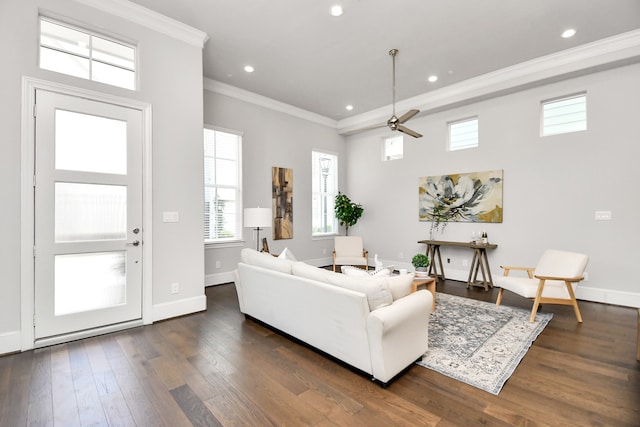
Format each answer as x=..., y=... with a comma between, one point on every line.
x=463, y=197
x=282, y=202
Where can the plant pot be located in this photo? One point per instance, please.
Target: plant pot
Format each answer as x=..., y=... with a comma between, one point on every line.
x=422, y=268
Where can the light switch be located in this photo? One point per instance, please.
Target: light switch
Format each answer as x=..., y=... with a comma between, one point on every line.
x=603, y=216
x=170, y=217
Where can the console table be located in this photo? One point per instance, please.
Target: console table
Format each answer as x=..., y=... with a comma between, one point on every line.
x=479, y=262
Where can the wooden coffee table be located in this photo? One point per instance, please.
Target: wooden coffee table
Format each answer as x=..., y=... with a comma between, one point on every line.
x=429, y=283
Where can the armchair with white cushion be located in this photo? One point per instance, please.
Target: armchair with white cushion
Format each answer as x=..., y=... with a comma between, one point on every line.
x=552, y=281
x=349, y=250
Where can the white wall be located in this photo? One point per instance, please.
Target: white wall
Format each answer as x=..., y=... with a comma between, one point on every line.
x=552, y=185
x=270, y=139
x=171, y=81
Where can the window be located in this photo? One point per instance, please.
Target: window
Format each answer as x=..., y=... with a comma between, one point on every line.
x=568, y=114
x=222, y=186
x=463, y=134
x=325, y=188
x=392, y=148
x=76, y=52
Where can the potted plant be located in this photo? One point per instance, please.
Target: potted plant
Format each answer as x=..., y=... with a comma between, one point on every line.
x=420, y=262
x=347, y=212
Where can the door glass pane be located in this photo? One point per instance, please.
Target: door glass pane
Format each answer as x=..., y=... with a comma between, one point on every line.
x=90, y=143
x=85, y=282
x=89, y=212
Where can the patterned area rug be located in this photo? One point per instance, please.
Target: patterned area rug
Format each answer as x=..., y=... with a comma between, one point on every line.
x=477, y=342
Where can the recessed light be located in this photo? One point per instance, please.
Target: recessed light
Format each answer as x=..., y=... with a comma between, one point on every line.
x=336, y=10
x=249, y=69
x=432, y=79
x=568, y=33
x=349, y=107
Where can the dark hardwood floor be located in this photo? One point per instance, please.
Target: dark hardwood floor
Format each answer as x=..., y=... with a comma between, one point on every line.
x=217, y=368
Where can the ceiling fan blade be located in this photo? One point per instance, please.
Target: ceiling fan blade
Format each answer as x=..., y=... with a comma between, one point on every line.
x=408, y=131
x=406, y=116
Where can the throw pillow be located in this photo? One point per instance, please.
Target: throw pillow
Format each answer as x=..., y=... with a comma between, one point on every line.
x=287, y=254
x=353, y=271
x=400, y=285
x=382, y=271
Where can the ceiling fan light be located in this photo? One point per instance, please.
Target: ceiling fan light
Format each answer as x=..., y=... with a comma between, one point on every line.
x=336, y=10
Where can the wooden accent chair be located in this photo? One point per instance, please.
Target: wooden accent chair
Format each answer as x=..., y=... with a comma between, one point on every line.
x=552, y=281
x=349, y=250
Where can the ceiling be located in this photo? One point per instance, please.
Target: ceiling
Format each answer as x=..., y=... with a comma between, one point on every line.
x=309, y=59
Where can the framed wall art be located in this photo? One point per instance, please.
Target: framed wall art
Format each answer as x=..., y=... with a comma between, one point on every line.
x=462, y=197
x=282, y=202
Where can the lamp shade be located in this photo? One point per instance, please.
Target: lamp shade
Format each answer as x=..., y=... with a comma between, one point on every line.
x=257, y=217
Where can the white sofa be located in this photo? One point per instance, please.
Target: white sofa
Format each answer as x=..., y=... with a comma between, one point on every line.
x=371, y=323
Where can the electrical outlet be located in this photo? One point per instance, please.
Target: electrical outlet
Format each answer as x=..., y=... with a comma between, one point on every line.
x=217, y=264
x=448, y=260
x=175, y=288
x=586, y=276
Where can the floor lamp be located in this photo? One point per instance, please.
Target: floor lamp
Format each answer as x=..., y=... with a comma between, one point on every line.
x=256, y=218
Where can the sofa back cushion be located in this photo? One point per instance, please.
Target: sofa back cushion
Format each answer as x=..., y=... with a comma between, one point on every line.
x=375, y=288
x=265, y=260
x=307, y=271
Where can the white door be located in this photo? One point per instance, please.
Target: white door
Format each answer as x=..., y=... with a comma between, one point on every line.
x=88, y=214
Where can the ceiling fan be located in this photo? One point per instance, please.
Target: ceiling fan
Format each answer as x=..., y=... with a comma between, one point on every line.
x=394, y=122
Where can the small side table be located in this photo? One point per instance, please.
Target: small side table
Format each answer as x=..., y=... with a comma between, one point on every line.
x=429, y=283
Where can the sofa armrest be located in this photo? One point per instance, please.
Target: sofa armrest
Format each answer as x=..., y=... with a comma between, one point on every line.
x=398, y=334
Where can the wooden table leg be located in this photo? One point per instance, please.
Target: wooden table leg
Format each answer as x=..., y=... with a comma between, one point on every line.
x=433, y=252
x=473, y=264
x=486, y=263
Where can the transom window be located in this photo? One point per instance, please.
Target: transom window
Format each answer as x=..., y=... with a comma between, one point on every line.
x=392, y=148
x=222, y=186
x=324, y=183
x=76, y=52
x=463, y=134
x=564, y=115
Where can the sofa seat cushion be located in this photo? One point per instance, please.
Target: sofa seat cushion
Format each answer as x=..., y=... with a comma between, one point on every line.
x=265, y=260
x=375, y=288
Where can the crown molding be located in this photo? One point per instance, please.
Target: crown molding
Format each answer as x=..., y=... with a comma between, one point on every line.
x=218, y=87
x=619, y=50
x=150, y=19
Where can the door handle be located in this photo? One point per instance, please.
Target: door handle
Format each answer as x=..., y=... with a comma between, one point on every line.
x=134, y=243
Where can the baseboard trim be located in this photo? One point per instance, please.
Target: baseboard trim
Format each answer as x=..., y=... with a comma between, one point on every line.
x=10, y=342
x=177, y=308
x=218, y=278
x=583, y=292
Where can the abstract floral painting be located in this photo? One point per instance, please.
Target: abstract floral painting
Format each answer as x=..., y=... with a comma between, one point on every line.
x=282, y=202
x=463, y=197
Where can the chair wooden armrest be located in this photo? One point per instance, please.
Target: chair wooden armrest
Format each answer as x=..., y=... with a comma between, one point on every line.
x=507, y=269
x=563, y=279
